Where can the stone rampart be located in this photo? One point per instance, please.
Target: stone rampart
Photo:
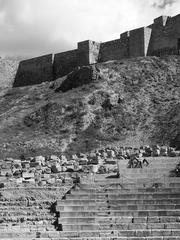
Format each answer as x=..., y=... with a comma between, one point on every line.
x=165, y=37
x=160, y=38
x=64, y=63
x=115, y=49
x=34, y=71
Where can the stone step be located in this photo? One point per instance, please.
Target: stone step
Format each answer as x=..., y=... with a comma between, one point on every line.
x=4, y=203
x=124, y=180
x=94, y=193
x=127, y=220
x=145, y=195
x=126, y=185
x=134, y=213
x=104, y=234
x=127, y=201
x=152, y=164
x=122, y=189
x=28, y=228
x=142, y=181
x=126, y=176
x=119, y=233
x=15, y=206
x=145, y=170
x=26, y=218
x=118, y=207
x=24, y=213
x=119, y=226
x=105, y=238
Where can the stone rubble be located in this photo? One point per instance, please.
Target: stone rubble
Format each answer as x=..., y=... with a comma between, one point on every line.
x=55, y=170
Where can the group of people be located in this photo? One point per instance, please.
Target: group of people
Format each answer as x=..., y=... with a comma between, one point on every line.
x=177, y=170
x=137, y=161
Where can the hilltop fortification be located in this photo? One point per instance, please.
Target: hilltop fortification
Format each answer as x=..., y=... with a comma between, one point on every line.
x=160, y=38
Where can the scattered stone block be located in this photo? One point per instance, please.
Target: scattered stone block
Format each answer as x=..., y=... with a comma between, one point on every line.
x=55, y=158
x=25, y=164
x=42, y=183
x=27, y=175
x=51, y=181
x=18, y=180
x=34, y=164
x=40, y=159
x=56, y=168
x=29, y=180
x=47, y=170
x=2, y=185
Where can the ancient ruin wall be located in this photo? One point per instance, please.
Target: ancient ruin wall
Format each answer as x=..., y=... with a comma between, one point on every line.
x=94, y=52
x=139, y=41
x=165, y=35
x=34, y=71
x=147, y=39
x=64, y=63
x=87, y=53
x=112, y=50
x=136, y=42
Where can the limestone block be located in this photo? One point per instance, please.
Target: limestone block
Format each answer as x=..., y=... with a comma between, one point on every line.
x=25, y=164
x=59, y=181
x=55, y=158
x=56, y=168
x=74, y=157
x=46, y=176
x=47, y=170
x=51, y=181
x=17, y=173
x=18, y=180
x=29, y=180
x=2, y=185
x=4, y=172
x=82, y=161
x=34, y=164
x=27, y=175
x=40, y=159
x=63, y=159
x=42, y=183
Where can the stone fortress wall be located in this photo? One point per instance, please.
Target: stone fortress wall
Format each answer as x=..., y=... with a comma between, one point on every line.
x=160, y=38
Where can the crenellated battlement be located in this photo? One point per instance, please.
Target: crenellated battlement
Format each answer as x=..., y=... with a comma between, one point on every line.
x=160, y=38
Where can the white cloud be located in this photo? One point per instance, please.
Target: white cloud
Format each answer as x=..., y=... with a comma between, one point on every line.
x=33, y=27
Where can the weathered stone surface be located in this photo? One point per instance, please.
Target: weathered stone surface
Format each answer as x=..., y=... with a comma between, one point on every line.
x=79, y=77
x=34, y=71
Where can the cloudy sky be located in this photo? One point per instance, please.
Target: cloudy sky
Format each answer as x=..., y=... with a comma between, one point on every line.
x=35, y=27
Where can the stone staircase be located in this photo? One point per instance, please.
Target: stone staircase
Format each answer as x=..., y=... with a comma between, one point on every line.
x=20, y=219
x=142, y=204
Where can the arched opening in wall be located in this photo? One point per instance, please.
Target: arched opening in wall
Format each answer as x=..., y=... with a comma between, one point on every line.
x=178, y=45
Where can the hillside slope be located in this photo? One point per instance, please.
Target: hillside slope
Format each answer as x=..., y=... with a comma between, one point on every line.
x=129, y=102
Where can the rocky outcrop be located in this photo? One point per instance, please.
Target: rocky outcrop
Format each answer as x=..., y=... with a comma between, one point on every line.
x=79, y=77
